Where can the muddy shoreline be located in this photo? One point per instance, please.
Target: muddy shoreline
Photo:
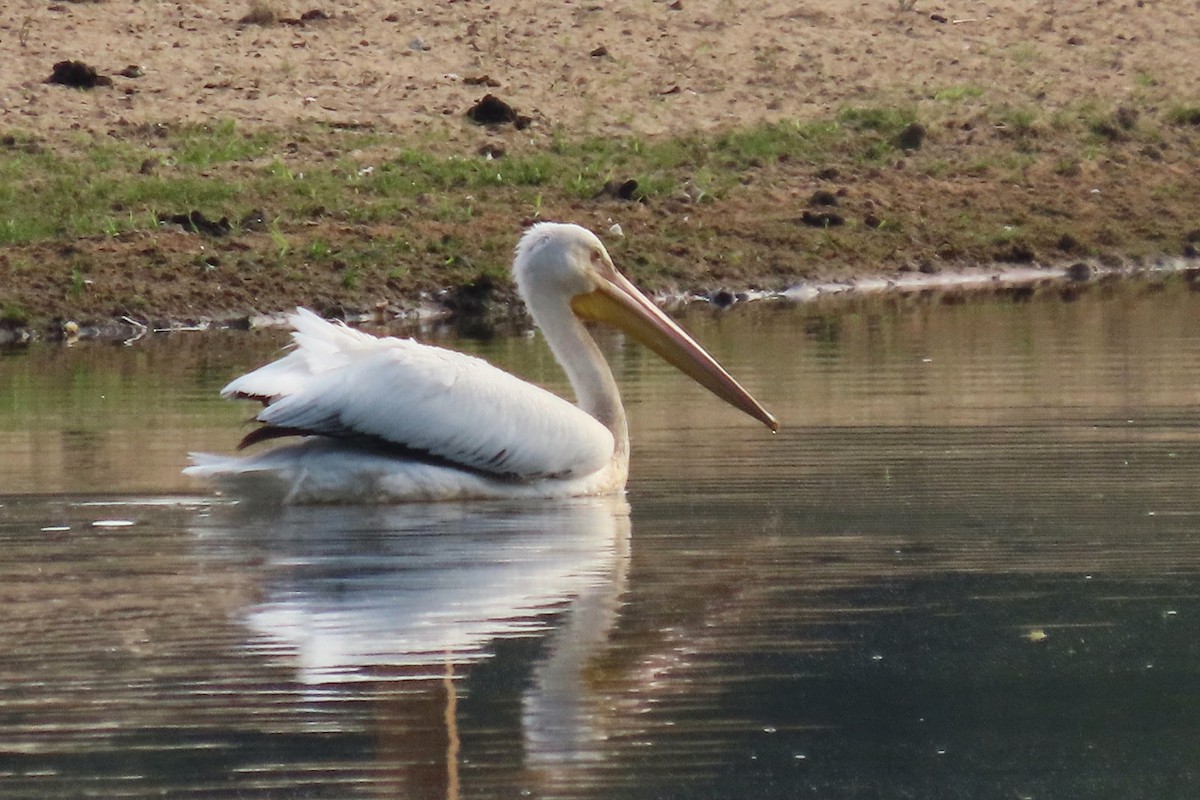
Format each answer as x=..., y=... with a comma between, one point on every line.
x=979, y=284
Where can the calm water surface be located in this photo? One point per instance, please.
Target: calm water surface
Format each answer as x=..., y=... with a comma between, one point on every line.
x=968, y=567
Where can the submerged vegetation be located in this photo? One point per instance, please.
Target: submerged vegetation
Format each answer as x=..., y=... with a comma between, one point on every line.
x=185, y=220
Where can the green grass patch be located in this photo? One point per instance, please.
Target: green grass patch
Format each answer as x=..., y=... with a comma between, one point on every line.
x=1184, y=114
x=957, y=94
x=105, y=187
x=880, y=119
x=216, y=143
x=13, y=315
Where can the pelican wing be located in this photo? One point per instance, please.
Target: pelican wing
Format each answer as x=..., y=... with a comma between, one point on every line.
x=343, y=383
x=320, y=347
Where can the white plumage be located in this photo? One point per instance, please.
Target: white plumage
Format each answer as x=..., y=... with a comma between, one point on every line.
x=389, y=419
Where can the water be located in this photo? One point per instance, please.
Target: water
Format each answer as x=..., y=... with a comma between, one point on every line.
x=969, y=566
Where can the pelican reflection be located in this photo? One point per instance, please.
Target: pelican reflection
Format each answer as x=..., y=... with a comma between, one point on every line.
x=398, y=606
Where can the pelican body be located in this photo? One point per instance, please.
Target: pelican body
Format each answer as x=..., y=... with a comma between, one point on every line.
x=392, y=420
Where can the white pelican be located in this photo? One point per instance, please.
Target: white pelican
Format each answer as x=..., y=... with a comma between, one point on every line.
x=392, y=420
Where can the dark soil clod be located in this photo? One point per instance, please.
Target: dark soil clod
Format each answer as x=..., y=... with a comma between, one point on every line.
x=1191, y=244
x=1079, y=272
x=1017, y=253
x=472, y=299
x=10, y=142
x=197, y=222
x=1068, y=244
x=491, y=150
x=912, y=137
x=312, y=15
x=627, y=190
x=78, y=74
x=256, y=220
x=622, y=190
x=823, y=197
x=491, y=110
x=722, y=298
x=822, y=219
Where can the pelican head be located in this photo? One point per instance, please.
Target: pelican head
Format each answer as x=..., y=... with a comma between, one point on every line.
x=565, y=275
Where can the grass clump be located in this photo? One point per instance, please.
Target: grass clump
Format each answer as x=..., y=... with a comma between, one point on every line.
x=259, y=13
x=13, y=315
x=957, y=94
x=885, y=120
x=1184, y=114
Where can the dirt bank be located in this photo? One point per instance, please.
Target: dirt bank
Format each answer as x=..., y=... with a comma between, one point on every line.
x=922, y=137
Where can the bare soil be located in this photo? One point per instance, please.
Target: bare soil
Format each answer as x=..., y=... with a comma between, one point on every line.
x=1001, y=86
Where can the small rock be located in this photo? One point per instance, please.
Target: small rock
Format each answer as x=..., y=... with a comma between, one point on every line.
x=872, y=221
x=671, y=90
x=676, y=6
x=1074, y=41
x=823, y=197
x=132, y=71
x=481, y=80
x=599, y=52
x=938, y=18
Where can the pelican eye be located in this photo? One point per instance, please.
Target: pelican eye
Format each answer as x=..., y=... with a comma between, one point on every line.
x=597, y=258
